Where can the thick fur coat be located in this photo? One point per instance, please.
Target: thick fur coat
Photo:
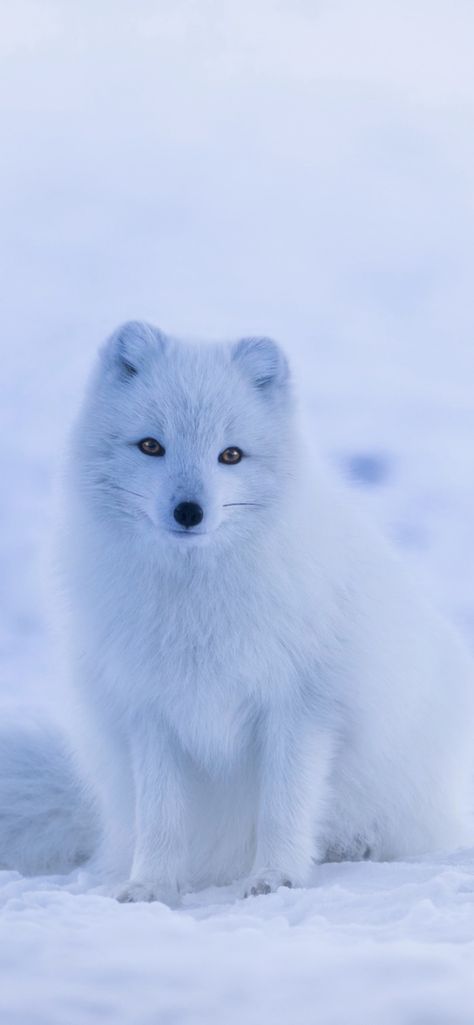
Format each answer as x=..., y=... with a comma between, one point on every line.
x=257, y=691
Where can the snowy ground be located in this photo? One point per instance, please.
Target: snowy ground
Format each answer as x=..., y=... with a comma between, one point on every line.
x=369, y=943
x=297, y=168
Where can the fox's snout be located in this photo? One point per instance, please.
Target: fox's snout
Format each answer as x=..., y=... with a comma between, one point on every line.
x=188, y=514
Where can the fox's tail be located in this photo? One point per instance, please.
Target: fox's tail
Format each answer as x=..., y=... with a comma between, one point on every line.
x=47, y=820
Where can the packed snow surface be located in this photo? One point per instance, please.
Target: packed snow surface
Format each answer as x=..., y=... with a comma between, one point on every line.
x=297, y=169
x=366, y=943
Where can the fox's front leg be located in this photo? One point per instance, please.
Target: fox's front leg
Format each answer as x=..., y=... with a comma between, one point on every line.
x=159, y=816
x=294, y=769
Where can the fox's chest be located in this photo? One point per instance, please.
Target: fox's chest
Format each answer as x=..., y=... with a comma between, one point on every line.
x=207, y=663
x=211, y=674
x=211, y=645
x=213, y=721
x=208, y=678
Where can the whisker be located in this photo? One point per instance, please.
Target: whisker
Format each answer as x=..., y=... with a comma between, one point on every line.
x=128, y=491
x=227, y=504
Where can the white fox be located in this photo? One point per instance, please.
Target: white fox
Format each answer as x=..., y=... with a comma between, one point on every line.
x=258, y=687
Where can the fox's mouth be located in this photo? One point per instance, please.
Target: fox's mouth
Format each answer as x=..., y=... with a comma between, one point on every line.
x=188, y=533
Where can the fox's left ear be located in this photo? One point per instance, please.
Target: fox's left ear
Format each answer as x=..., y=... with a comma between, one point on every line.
x=262, y=360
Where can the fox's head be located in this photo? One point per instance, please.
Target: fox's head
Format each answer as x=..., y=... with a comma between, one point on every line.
x=191, y=443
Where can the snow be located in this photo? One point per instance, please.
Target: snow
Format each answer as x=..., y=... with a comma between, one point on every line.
x=303, y=169
x=391, y=943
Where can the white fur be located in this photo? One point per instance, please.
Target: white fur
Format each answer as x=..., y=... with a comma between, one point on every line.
x=266, y=690
x=48, y=822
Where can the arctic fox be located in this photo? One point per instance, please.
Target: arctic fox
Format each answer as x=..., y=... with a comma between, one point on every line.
x=258, y=688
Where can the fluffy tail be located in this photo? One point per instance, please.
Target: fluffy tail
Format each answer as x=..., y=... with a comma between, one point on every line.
x=47, y=821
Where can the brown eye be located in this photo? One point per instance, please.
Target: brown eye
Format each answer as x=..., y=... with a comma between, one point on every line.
x=230, y=456
x=151, y=447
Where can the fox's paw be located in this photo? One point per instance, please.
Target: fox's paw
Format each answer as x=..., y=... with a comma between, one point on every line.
x=135, y=892
x=266, y=881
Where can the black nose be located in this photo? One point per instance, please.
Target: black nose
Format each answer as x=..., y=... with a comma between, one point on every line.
x=188, y=514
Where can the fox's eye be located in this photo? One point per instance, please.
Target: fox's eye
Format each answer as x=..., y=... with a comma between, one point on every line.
x=231, y=456
x=151, y=447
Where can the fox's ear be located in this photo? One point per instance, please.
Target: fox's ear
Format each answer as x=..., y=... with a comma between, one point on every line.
x=130, y=346
x=262, y=360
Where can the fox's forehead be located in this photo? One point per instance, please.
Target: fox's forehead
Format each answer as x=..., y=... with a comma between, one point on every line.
x=147, y=381
x=192, y=376
x=191, y=388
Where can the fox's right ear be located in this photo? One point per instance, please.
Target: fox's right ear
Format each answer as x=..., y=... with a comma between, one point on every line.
x=130, y=347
